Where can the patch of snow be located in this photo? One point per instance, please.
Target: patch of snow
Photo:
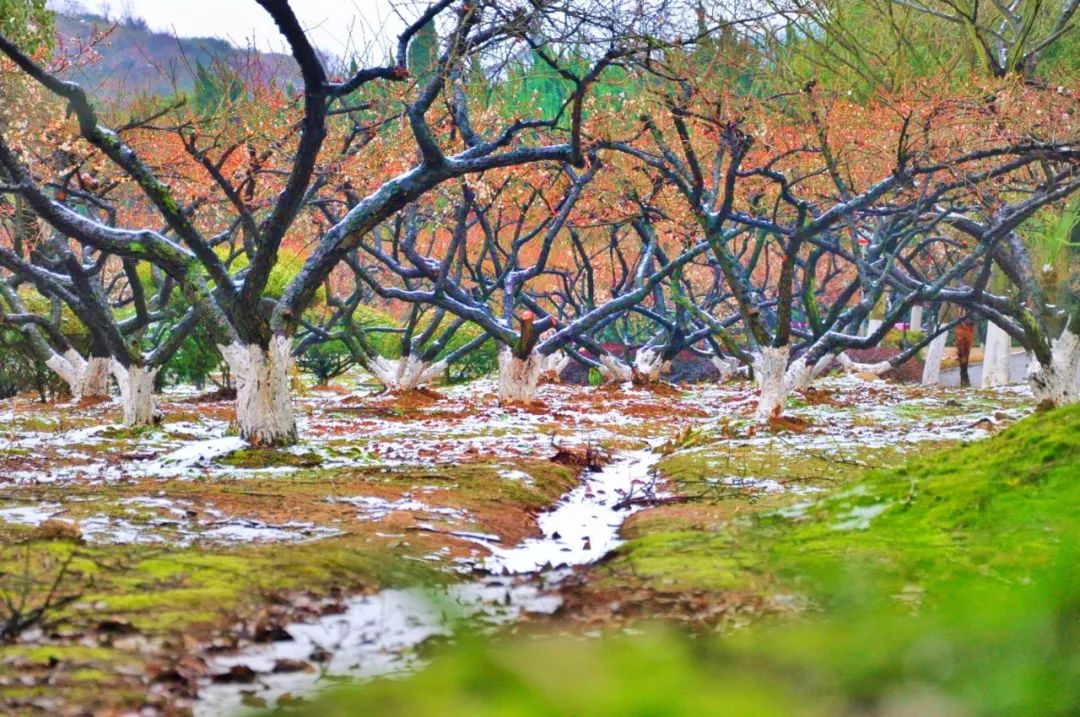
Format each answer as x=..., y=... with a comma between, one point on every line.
x=33, y=515
x=374, y=508
x=584, y=526
x=859, y=517
x=192, y=458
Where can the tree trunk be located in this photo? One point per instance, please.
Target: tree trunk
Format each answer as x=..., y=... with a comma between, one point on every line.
x=648, y=365
x=137, y=393
x=96, y=382
x=615, y=370
x=856, y=367
x=71, y=368
x=726, y=367
x=995, y=368
x=406, y=373
x=264, y=410
x=518, y=377
x=799, y=375
x=1054, y=384
x=770, y=367
x=84, y=378
x=931, y=374
x=916, y=318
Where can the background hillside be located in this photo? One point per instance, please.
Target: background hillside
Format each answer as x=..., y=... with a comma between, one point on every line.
x=133, y=60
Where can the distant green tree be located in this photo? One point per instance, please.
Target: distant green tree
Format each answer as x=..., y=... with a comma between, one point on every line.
x=27, y=22
x=423, y=54
x=215, y=87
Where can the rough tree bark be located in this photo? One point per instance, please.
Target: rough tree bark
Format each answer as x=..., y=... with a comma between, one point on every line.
x=518, y=376
x=96, y=383
x=137, y=393
x=771, y=374
x=1054, y=384
x=264, y=409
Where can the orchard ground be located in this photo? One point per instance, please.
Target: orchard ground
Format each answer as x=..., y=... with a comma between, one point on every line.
x=141, y=566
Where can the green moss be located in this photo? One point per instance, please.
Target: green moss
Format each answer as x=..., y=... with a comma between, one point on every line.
x=128, y=432
x=44, y=654
x=936, y=519
x=269, y=458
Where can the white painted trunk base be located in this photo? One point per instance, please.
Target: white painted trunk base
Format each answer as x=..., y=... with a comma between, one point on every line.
x=614, y=370
x=518, y=377
x=770, y=366
x=995, y=368
x=71, y=368
x=406, y=373
x=264, y=410
x=136, y=393
x=727, y=367
x=931, y=374
x=916, y=318
x=96, y=382
x=1056, y=384
x=855, y=367
x=648, y=365
x=798, y=375
x=85, y=379
x=555, y=364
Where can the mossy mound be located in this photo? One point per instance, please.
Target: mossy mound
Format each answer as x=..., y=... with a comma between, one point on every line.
x=270, y=458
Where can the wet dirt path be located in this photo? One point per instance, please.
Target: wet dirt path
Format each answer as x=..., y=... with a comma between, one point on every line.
x=378, y=634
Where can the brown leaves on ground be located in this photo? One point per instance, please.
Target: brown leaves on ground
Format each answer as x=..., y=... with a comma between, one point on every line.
x=819, y=397
x=590, y=606
x=587, y=457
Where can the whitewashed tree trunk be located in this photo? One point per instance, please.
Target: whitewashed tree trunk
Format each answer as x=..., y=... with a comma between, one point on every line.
x=84, y=378
x=727, y=367
x=612, y=369
x=264, y=409
x=555, y=363
x=872, y=325
x=518, y=377
x=931, y=374
x=71, y=368
x=916, y=318
x=851, y=366
x=406, y=373
x=800, y=375
x=648, y=365
x=995, y=368
x=1055, y=384
x=96, y=382
x=770, y=366
x=136, y=393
